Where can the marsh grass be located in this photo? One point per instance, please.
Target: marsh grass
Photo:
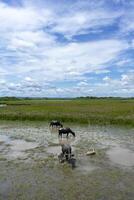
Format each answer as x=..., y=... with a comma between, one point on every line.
x=93, y=111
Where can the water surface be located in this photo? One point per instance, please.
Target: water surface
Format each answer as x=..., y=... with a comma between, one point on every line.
x=30, y=168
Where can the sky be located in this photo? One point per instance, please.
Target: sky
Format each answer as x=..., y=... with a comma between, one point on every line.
x=67, y=48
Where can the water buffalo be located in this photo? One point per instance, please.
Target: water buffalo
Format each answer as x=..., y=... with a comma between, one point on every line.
x=66, y=150
x=67, y=155
x=66, y=131
x=55, y=123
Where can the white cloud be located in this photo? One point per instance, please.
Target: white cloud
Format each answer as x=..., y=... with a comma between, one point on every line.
x=82, y=83
x=127, y=79
x=122, y=86
x=3, y=71
x=124, y=62
x=29, y=79
x=80, y=22
x=78, y=58
x=107, y=79
x=2, y=82
x=22, y=18
x=30, y=40
x=68, y=61
x=32, y=52
x=126, y=22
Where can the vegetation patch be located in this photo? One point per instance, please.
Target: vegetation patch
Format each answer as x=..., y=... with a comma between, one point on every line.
x=82, y=110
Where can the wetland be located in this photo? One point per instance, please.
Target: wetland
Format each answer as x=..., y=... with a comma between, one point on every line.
x=30, y=168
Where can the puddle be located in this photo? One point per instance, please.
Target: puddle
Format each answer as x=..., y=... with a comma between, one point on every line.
x=21, y=145
x=84, y=165
x=86, y=168
x=18, y=148
x=15, y=148
x=121, y=156
x=56, y=150
x=4, y=138
x=2, y=105
x=11, y=155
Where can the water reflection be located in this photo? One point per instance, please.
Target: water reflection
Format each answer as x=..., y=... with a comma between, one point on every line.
x=66, y=140
x=55, y=149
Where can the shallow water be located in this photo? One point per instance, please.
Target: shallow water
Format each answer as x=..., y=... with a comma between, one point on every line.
x=15, y=148
x=121, y=156
x=30, y=168
x=56, y=150
x=20, y=137
x=4, y=138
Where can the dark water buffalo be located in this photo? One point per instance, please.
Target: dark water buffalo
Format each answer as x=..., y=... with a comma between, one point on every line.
x=67, y=155
x=66, y=150
x=55, y=123
x=66, y=131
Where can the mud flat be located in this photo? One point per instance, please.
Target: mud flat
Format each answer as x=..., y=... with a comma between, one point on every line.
x=30, y=168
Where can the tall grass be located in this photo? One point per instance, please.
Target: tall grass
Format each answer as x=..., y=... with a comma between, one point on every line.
x=94, y=111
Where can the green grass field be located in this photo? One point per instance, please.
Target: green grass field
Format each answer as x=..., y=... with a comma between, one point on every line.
x=94, y=111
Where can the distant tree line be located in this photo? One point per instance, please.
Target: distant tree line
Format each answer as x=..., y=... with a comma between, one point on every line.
x=47, y=98
x=93, y=97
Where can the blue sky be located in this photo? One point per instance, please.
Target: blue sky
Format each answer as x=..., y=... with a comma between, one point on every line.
x=67, y=49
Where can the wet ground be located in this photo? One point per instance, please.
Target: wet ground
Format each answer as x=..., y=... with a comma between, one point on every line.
x=29, y=166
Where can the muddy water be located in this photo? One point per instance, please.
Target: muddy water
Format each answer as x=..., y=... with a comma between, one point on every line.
x=29, y=160
x=121, y=156
x=14, y=148
x=117, y=142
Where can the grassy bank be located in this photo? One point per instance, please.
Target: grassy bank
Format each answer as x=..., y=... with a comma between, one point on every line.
x=94, y=111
